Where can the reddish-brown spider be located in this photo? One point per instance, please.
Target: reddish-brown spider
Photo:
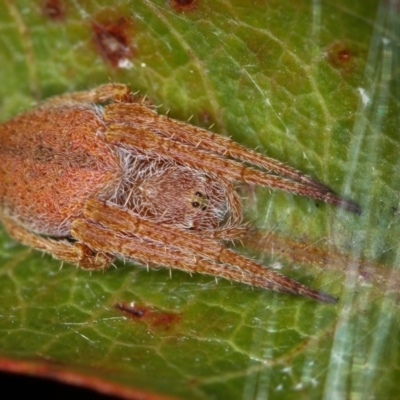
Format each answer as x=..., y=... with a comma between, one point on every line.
x=91, y=176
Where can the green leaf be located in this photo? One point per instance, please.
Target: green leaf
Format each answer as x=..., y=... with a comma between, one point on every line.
x=313, y=84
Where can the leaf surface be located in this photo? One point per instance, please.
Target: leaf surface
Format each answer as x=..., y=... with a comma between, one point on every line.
x=313, y=84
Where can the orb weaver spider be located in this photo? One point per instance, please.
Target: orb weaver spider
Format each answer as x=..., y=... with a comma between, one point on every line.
x=94, y=175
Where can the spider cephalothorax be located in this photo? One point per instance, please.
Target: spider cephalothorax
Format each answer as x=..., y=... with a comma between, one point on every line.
x=178, y=195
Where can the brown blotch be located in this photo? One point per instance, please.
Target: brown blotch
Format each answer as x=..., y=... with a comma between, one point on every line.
x=54, y=9
x=150, y=315
x=340, y=56
x=183, y=5
x=112, y=37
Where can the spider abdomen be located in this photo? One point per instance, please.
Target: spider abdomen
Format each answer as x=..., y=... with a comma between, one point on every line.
x=52, y=161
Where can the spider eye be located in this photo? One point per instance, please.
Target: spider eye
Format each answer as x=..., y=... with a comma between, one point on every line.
x=200, y=200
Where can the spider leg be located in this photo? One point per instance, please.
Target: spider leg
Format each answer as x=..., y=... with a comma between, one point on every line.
x=74, y=253
x=142, y=139
x=138, y=115
x=150, y=242
x=226, y=233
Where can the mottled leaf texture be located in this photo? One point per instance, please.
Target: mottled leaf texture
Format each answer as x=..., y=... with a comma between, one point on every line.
x=313, y=83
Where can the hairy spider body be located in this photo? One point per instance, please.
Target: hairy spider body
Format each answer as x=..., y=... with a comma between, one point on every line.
x=95, y=175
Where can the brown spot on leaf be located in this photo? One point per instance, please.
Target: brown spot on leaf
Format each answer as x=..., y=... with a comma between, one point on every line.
x=340, y=56
x=54, y=9
x=112, y=37
x=344, y=55
x=183, y=5
x=150, y=315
